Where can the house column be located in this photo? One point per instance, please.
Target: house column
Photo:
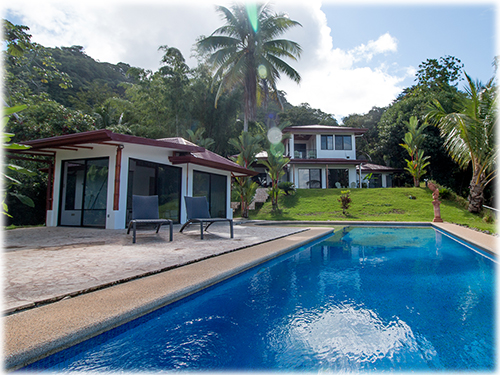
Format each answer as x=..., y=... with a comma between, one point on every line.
x=292, y=148
x=360, y=182
x=118, y=169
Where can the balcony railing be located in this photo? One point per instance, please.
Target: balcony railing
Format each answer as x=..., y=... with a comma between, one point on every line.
x=310, y=153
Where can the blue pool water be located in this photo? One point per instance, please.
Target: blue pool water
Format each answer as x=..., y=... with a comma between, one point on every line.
x=365, y=299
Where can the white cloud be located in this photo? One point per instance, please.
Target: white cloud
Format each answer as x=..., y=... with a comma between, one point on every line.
x=385, y=43
x=336, y=81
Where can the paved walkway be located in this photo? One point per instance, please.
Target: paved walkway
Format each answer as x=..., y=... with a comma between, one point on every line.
x=35, y=333
x=47, y=264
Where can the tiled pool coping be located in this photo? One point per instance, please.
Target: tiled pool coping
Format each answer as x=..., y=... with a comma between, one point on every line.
x=34, y=334
x=486, y=242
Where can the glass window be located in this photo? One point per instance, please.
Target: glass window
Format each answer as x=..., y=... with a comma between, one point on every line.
x=343, y=142
x=309, y=178
x=338, y=178
x=212, y=186
x=96, y=190
x=327, y=142
x=300, y=150
x=84, y=192
x=376, y=180
x=148, y=178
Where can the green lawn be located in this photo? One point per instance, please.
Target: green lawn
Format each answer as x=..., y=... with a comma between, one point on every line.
x=391, y=204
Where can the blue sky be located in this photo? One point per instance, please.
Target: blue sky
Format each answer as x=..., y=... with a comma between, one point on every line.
x=356, y=55
x=423, y=32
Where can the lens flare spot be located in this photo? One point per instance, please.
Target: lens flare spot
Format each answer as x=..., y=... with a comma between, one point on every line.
x=274, y=135
x=262, y=71
x=277, y=149
x=252, y=15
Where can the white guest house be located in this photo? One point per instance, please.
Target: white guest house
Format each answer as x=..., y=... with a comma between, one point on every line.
x=93, y=175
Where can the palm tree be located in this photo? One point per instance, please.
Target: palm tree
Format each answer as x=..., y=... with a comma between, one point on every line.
x=275, y=165
x=248, y=146
x=413, y=140
x=469, y=135
x=245, y=50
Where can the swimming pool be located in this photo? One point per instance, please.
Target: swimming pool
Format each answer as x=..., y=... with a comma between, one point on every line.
x=364, y=299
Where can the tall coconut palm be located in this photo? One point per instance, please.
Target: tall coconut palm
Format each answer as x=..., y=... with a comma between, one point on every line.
x=245, y=50
x=469, y=135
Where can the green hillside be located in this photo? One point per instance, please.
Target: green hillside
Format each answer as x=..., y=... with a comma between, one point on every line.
x=369, y=205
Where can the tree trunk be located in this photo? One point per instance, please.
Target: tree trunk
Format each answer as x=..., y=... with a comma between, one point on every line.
x=250, y=95
x=476, y=196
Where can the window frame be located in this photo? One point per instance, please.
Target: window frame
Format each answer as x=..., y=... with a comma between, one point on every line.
x=343, y=143
x=325, y=138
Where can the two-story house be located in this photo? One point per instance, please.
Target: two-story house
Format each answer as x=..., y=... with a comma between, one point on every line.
x=322, y=156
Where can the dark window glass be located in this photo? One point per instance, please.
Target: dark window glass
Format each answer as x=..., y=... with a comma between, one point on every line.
x=212, y=186
x=327, y=142
x=84, y=192
x=148, y=178
x=338, y=178
x=343, y=142
x=309, y=178
x=376, y=180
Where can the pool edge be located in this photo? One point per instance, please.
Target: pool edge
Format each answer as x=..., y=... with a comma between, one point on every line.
x=34, y=334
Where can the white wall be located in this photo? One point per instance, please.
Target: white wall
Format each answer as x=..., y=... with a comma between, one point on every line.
x=341, y=154
x=116, y=219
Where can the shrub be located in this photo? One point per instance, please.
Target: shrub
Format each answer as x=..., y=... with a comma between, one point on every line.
x=488, y=218
x=446, y=193
x=345, y=201
x=287, y=186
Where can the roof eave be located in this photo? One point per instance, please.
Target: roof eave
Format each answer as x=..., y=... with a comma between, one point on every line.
x=340, y=129
x=103, y=135
x=236, y=169
x=326, y=161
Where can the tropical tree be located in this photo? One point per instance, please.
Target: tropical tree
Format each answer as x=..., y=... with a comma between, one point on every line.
x=275, y=164
x=245, y=52
x=469, y=134
x=198, y=138
x=413, y=140
x=175, y=72
x=248, y=146
x=9, y=181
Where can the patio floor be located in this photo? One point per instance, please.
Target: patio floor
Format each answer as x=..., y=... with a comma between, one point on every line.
x=47, y=264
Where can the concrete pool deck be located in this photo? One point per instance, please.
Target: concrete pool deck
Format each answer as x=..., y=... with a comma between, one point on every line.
x=34, y=333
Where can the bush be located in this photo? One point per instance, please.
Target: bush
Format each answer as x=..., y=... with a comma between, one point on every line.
x=446, y=193
x=287, y=186
x=345, y=201
x=488, y=218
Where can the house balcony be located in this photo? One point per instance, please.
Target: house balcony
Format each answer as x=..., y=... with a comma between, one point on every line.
x=309, y=153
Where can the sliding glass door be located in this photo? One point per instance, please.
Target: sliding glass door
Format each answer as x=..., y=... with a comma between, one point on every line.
x=148, y=178
x=84, y=193
x=213, y=186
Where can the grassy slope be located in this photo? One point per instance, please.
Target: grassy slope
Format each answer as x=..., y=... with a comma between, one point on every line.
x=369, y=205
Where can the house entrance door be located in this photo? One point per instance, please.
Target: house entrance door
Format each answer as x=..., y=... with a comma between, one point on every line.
x=84, y=193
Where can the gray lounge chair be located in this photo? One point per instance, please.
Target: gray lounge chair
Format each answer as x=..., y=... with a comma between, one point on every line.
x=145, y=211
x=197, y=212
